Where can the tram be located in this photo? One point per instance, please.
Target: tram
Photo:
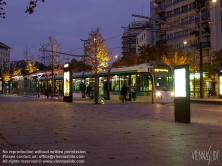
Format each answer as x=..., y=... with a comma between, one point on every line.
x=142, y=82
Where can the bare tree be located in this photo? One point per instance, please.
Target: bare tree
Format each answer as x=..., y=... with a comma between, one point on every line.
x=48, y=54
x=30, y=63
x=96, y=56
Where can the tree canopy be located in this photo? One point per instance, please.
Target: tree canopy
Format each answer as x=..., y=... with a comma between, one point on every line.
x=159, y=53
x=31, y=5
x=96, y=51
x=152, y=53
x=29, y=9
x=80, y=65
x=129, y=59
x=177, y=57
x=96, y=55
x=216, y=62
x=6, y=76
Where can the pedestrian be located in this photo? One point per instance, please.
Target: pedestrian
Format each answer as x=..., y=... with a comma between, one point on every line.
x=123, y=91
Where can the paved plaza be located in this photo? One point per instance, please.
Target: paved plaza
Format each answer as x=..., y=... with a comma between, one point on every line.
x=38, y=130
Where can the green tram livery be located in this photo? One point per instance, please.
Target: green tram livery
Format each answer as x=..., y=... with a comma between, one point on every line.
x=138, y=79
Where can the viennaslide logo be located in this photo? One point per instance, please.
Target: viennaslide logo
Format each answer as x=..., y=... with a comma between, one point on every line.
x=206, y=155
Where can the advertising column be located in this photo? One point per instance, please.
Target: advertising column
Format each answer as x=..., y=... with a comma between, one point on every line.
x=182, y=93
x=67, y=89
x=220, y=84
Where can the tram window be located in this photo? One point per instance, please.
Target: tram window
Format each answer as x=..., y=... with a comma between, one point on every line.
x=115, y=83
x=164, y=83
x=145, y=82
x=170, y=83
x=76, y=84
x=124, y=78
x=133, y=79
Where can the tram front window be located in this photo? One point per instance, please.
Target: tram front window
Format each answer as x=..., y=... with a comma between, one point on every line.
x=164, y=83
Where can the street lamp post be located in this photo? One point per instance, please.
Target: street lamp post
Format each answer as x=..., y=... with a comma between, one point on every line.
x=84, y=44
x=96, y=73
x=84, y=68
x=201, y=54
x=193, y=63
x=52, y=86
x=37, y=82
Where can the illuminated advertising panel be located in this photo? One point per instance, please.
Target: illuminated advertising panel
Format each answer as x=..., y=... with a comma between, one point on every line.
x=220, y=81
x=66, y=83
x=180, y=82
x=182, y=93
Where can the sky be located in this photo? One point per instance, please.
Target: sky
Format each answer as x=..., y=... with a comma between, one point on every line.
x=68, y=21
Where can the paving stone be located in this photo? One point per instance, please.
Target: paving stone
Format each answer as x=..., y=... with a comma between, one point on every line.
x=112, y=134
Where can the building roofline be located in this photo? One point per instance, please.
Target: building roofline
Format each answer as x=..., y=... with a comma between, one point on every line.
x=5, y=45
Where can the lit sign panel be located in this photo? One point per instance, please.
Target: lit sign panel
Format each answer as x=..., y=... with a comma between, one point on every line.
x=160, y=70
x=180, y=82
x=66, y=65
x=220, y=80
x=66, y=84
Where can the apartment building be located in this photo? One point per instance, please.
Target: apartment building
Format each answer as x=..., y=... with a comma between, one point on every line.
x=4, y=56
x=189, y=13
x=130, y=36
x=144, y=38
x=205, y=14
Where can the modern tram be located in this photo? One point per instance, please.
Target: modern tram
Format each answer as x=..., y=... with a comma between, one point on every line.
x=141, y=80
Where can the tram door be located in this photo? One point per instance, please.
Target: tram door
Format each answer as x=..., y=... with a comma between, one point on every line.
x=106, y=88
x=126, y=79
x=101, y=87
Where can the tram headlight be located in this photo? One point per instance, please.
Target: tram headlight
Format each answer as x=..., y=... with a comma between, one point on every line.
x=172, y=94
x=158, y=94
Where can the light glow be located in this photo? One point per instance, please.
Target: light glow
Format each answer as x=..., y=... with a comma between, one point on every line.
x=66, y=65
x=220, y=80
x=180, y=82
x=66, y=84
x=158, y=94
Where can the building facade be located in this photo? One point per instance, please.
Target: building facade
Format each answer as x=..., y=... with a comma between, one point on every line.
x=205, y=14
x=4, y=56
x=129, y=38
x=188, y=13
x=144, y=38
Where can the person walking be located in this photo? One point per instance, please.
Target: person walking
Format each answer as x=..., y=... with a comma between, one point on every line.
x=123, y=91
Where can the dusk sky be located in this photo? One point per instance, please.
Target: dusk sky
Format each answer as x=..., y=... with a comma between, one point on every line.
x=67, y=21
